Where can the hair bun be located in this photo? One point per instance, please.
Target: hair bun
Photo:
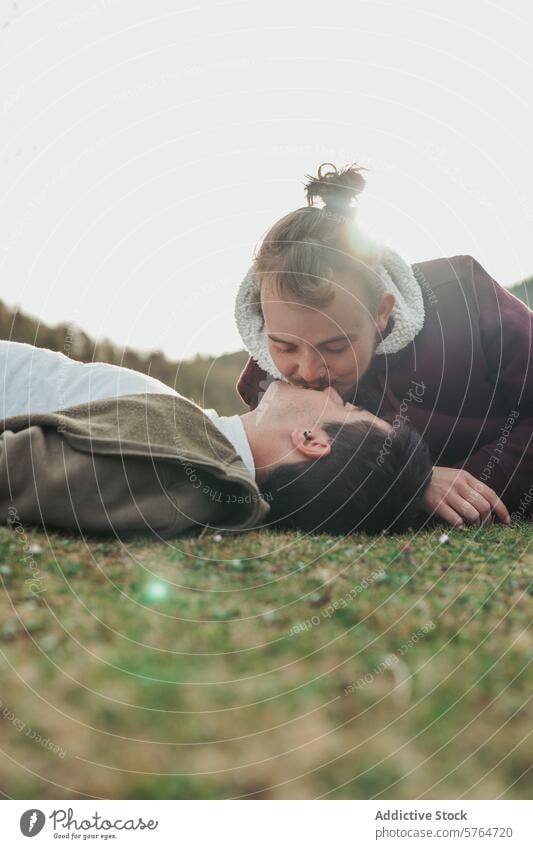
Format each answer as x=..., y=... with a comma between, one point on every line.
x=337, y=189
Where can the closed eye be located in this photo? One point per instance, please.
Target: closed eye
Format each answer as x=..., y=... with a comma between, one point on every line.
x=337, y=349
x=334, y=347
x=287, y=349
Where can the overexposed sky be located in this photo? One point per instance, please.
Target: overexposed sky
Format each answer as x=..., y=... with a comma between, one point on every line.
x=145, y=147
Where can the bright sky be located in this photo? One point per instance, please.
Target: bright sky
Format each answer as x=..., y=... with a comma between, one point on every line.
x=145, y=147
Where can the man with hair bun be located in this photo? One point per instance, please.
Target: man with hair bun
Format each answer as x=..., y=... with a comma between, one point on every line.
x=438, y=345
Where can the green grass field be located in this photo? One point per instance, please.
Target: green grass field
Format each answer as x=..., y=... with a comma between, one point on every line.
x=267, y=666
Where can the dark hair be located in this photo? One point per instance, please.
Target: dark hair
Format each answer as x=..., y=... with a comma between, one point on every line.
x=311, y=247
x=369, y=482
x=337, y=189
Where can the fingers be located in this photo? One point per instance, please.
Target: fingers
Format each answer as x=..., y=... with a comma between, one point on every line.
x=496, y=504
x=445, y=512
x=464, y=508
x=501, y=511
x=477, y=503
x=456, y=496
x=448, y=514
x=481, y=508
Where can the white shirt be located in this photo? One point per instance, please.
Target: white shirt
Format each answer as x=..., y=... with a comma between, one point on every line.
x=233, y=429
x=39, y=380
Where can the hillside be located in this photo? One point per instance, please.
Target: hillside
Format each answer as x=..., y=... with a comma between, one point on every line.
x=524, y=291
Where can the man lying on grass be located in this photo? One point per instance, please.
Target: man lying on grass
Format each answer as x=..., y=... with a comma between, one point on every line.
x=101, y=448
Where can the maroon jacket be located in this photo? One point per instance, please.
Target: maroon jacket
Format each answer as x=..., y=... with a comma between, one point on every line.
x=465, y=383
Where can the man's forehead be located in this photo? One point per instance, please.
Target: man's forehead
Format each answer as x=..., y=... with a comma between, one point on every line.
x=343, y=303
x=321, y=322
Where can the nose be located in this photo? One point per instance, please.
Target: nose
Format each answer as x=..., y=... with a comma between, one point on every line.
x=311, y=368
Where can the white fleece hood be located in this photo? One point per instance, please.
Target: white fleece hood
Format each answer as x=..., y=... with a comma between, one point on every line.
x=395, y=276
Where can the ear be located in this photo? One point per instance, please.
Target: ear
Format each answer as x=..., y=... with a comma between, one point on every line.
x=386, y=303
x=315, y=446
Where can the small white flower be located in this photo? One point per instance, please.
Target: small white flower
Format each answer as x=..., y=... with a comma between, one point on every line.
x=217, y=538
x=443, y=538
x=36, y=549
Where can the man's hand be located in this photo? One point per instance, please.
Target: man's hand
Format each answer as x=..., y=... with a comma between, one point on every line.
x=457, y=496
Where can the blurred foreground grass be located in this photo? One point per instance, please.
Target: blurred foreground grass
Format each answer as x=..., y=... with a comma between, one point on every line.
x=267, y=666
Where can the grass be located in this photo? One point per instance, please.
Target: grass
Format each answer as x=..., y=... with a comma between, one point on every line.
x=266, y=666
